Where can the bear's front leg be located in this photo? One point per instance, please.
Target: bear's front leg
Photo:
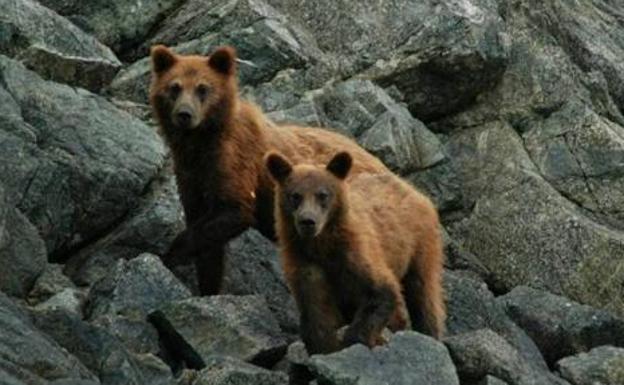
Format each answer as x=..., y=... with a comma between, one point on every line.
x=376, y=310
x=320, y=317
x=204, y=242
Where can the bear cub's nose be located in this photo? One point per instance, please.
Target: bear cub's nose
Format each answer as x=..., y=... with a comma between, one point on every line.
x=307, y=222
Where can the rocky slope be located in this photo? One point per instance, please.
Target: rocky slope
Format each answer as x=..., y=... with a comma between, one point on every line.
x=507, y=112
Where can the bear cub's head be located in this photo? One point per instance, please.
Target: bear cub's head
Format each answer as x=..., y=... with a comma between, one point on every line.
x=188, y=89
x=309, y=197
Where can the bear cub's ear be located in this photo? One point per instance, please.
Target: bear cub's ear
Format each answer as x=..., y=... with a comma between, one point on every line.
x=162, y=58
x=278, y=166
x=340, y=165
x=223, y=60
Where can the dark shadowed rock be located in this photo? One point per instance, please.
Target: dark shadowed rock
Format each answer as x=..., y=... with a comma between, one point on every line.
x=230, y=371
x=70, y=300
x=121, y=25
x=73, y=162
x=138, y=335
x=101, y=352
x=491, y=380
x=260, y=34
x=138, y=286
x=50, y=282
x=53, y=46
x=149, y=228
x=479, y=353
x=561, y=327
x=239, y=326
x=253, y=267
x=29, y=356
x=22, y=251
x=408, y=358
x=603, y=365
x=471, y=306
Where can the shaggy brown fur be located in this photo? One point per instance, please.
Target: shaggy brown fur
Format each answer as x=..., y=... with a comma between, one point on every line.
x=218, y=142
x=357, y=252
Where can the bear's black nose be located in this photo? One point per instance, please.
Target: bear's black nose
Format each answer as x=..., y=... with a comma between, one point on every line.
x=184, y=117
x=307, y=222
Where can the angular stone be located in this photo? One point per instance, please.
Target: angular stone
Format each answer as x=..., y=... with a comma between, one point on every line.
x=253, y=267
x=70, y=300
x=99, y=351
x=603, y=365
x=226, y=371
x=471, y=306
x=50, y=282
x=54, y=47
x=121, y=25
x=408, y=358
x=22, y=251
x=150, y=228
x=266, y=46
x=135, y=287
x=561, y=327
x=239, y=326
x=74, y=163
x=28, y=355
x=479, y=353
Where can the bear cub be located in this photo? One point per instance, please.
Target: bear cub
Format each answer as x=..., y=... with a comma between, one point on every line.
x=364, y=252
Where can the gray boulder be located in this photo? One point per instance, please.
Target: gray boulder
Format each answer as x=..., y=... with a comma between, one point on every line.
x=471, y=307
x=70, y=300
x=253, y=267
x=151, y=227
x=239, y=326
x=74, y=163
x=50, y=282
x=600, y=366
x=408, y=358
x=121, y=25
x=483, y=352
x=138, y=286
x=53, y=46
x=101, y=352
x=22, y=251
x=28, y=356
x=230, y=371
x=491, y=380
x=561, y=327
x=260, y=34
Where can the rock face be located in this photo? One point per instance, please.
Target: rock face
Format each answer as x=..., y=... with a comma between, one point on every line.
x=508, y=114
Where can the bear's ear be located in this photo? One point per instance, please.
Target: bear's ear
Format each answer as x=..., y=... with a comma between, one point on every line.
x=162, y=58
x=278, y=166
x=340, y=165
x=223, y=60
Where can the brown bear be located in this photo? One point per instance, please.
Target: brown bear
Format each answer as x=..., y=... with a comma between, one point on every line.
x=217, y=143
x=357, y=252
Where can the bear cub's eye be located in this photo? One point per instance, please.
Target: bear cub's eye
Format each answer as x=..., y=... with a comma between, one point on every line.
x=174, y=90
x=202, y=91
x=322, y=196
x=295, y=199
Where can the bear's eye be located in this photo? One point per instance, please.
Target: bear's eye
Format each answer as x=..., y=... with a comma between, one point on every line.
x=202, y=91
x=174, y=90
x=295, y=199
x=322, y=197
